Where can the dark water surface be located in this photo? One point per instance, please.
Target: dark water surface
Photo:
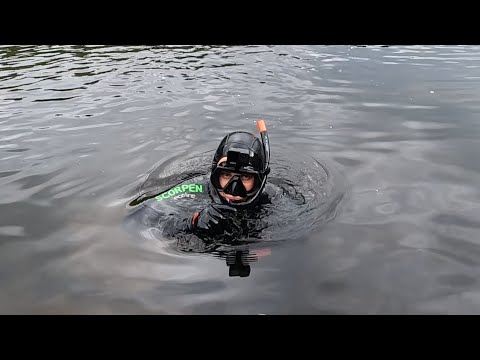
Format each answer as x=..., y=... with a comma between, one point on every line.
x=82, y=127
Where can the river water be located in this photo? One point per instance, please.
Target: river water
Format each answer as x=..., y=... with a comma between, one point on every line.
x=82, y=127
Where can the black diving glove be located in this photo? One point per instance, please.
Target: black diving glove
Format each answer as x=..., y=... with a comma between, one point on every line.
x=213, y=220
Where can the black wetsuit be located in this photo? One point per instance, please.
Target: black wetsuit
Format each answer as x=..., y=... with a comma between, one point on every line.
x=172, y=212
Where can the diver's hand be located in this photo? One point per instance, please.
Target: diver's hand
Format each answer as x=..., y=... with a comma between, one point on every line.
x=213, y=219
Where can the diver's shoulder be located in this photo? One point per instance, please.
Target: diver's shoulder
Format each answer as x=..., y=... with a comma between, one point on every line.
x=180, y=198
x=268, y=193
x=185, y=190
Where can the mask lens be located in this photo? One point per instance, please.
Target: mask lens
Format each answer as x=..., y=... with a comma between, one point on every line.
x=235, y=187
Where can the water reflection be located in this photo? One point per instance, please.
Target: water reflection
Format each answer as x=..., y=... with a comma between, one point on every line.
x=239, y=258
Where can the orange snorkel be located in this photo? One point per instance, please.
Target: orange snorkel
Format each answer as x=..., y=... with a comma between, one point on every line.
x=262, y=128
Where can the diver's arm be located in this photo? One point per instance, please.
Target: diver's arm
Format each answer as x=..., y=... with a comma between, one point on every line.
x=173, y=224
x=152, y=216
x=210, y=221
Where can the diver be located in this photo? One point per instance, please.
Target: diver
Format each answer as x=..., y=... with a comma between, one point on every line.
x=225, y=204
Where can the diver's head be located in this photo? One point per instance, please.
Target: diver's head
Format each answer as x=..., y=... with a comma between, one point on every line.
x=239, y=169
